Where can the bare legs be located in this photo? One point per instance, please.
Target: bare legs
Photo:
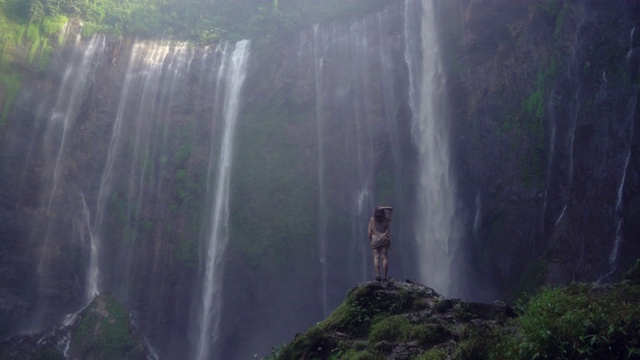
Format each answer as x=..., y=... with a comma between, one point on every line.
x=377, y=254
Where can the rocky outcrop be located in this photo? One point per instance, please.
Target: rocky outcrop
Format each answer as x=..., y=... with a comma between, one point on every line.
x=103, y=330
x=398, y=320
x=403, y=320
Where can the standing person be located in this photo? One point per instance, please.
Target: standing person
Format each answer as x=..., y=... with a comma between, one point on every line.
x=380, y=237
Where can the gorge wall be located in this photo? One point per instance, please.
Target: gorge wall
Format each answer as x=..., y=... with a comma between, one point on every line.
x=222, y=192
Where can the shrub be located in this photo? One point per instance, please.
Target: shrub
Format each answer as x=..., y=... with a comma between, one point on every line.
x=577, y=322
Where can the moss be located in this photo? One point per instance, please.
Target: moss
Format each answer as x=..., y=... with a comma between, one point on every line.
x=45, y=56
x=362, y=355
x=53, y=25
x=433, y=354
x=270, y=136
x=428, y=334
x=186, y=253
x=391, y=328
x=105, y=332
x=315, y=343
x=10, y=84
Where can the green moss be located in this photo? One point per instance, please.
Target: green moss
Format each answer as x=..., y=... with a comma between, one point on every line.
x=186, y=253
x=10, y=86
x=476, y=343
x=433, y=354
x=53, y=25
x=104, y=331
x=361, y=355
x=428, y=334
x=270, y=136
x=391, y=328
x=314, y=344
x=45, y=56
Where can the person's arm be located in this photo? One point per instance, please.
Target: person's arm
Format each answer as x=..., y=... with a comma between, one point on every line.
x=370, y=230
x=388, y=211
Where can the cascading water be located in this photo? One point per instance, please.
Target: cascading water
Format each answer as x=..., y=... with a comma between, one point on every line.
x=619, y=205
x=358, y=131
x=77, y=78
x=322, y=215
x=232, y=73
x=436, y=219
x=91, y=287
x=613, y=257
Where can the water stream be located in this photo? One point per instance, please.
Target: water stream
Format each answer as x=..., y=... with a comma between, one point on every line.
x=436, y=219
x=233, y=73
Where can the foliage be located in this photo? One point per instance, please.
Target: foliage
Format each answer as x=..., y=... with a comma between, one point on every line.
x=433, y=354
x=577, y=322
x=104, y=331
x=189, y=19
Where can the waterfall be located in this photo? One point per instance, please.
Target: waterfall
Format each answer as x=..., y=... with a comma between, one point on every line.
x=613, y=257
x=76, y=80
x=322, y=215
x=91, y=287
x=233, y=73
x=435, y=221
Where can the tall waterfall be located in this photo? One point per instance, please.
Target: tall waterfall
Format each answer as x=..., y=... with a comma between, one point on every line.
x=436, y=228
x=358, y=130
x=322, y=207
x=232, y=73
x=76, y=81
x=136, y=138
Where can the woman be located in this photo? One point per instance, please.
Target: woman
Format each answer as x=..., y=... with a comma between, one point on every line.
x=380, y=237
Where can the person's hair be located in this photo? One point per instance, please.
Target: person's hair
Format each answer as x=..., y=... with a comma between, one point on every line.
x=378, y=214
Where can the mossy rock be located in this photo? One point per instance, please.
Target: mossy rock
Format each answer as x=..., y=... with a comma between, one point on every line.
x=105, y=331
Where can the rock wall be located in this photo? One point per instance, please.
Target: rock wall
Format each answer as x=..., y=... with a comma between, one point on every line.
x=544, y=141
x=544, y=96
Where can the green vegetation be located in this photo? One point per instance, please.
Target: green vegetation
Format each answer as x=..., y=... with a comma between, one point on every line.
x=195, y=20
x=273, y=218
x=104, y=331
x=9, y=86
x=577, y=322
x=188, y=197
x=527, y=124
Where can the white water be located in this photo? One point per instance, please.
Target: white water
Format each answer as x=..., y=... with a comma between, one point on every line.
x=233, y=70
x=93, y=273
x=613, y=257
x=322, y=216
x=76, y=80
x=65, y=112
x=435, y=217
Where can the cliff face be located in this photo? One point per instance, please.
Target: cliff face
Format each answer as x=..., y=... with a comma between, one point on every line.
x=544, y=97
x=111, y=164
